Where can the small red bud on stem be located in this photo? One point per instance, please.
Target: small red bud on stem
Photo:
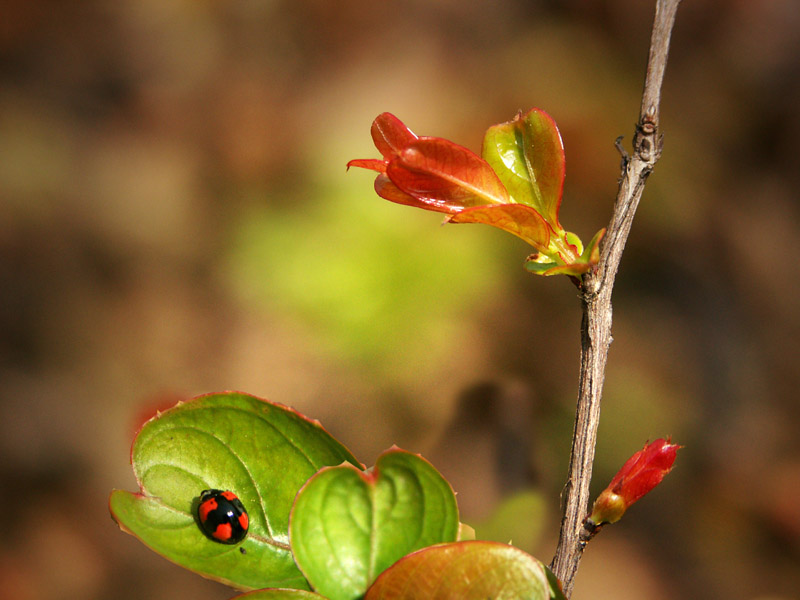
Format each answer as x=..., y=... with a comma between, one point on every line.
x=641, y=473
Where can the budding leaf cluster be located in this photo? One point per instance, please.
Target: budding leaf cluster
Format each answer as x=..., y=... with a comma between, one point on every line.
x=516, y=186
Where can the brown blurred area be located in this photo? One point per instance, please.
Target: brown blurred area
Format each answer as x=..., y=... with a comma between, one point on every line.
x=175, y=219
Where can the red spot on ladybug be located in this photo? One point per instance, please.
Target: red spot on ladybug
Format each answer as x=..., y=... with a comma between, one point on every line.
x=222, y=516
x=223, y=533
x=205, y=508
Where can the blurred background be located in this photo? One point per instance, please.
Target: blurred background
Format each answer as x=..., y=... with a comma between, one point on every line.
x=175, y=219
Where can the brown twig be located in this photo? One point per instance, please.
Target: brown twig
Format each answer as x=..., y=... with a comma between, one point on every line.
x=596, y=290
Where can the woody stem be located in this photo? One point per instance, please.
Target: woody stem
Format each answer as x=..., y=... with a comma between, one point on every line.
x=596, y=288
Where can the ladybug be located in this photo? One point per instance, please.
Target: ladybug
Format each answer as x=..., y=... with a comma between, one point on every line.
x=222, y=516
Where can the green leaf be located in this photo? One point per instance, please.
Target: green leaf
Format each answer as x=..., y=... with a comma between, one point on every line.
x=547, y=269
x=348, y=526
x=528, y=155
x=261, y=451
x=542, y=264
x=464, y=571
x=591, y=254
x=574, y=240
x=556, y=593
x=279, y=594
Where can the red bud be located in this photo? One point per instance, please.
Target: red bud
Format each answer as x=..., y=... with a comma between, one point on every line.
x=641, y=473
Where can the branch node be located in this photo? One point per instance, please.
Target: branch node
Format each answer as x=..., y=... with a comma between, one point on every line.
x=624, y=156
x=650, y=120
x=590, y=287
x=646, y=141
x=589, y=530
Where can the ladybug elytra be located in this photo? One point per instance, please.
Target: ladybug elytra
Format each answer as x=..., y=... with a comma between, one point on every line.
x=222, y=516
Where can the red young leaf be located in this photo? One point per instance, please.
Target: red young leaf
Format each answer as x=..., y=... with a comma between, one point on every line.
x=519, y=219
x=444, y=174
x=389, y=191
x=390, y=135
x=373, y=164
x=473, y=570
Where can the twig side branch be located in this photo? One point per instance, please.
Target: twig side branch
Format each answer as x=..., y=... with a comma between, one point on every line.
x=596, y=302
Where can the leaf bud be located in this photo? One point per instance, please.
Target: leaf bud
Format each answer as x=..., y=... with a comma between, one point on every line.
x=641, y=473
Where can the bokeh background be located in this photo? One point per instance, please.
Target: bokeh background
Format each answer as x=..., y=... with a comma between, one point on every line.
x=175, y=218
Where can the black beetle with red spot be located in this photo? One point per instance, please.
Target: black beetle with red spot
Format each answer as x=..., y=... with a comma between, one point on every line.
x=222, y=516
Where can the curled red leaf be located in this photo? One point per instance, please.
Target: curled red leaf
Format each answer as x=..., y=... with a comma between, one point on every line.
x=390, y=135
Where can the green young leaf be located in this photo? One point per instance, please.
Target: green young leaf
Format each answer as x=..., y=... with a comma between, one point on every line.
x=543, y=264
x=574, y=240
x=548, y=268
x=528, y=155
x=348, y=526
x=464, y=571
x=591, y=254
x=279, y=594
x=261, y=451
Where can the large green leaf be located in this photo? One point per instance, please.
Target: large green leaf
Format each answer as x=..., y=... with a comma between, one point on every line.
x=348, y=526
x=279, y=594
x=528, y=155
x=473, y=570
x=261, y=451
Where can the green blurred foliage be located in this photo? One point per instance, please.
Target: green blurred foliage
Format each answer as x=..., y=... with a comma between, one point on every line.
x=518, y=520
x=381, y=288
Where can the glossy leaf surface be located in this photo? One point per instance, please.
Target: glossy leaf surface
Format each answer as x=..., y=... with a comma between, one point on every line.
x=638, y=476
x=474, y=570
x=445, y=175
x=261, y=451
x=429, y=172
x=521, y=220
x=348, y=526
x=528, y=155
x=390, y=135
x=279, y=594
